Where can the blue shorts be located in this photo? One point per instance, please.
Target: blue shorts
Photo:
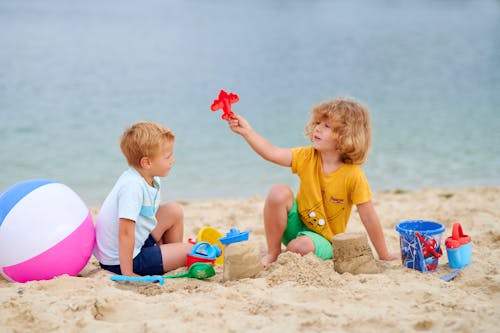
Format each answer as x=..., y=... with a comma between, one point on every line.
x=147, y=262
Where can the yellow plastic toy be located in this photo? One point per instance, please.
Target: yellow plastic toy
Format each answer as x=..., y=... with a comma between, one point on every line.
x=211, y=236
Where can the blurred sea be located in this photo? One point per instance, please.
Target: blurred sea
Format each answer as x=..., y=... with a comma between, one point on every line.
x=75, y=74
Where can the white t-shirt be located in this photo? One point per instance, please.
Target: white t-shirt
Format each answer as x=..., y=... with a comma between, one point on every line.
x=131, y=198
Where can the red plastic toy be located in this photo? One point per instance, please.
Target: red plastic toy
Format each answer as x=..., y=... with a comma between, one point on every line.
x=457, y=237
x=224, y=102
x=429, y=250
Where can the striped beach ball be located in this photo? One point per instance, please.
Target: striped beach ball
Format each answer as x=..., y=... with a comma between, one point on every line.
x=46, y=230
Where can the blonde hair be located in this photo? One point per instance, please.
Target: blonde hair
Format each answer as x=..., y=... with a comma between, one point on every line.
x=144, y=139
x=350, y=123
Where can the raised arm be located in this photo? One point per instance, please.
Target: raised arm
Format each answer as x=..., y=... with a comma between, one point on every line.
x=260, y=145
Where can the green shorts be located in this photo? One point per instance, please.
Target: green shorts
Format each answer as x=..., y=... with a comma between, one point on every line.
x=295, y=228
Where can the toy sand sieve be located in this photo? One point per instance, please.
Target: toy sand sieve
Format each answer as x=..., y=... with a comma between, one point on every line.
x=420, y=244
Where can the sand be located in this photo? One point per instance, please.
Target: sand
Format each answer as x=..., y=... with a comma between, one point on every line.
x=353, y=254
x=242, y=260
x=296, y=294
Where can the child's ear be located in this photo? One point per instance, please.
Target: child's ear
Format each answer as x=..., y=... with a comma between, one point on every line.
x=145, y=162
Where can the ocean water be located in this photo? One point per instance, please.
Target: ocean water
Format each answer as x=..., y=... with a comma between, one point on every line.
x=74, y=75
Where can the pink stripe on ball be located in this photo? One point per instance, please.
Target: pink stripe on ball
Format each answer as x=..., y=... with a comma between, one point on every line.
x=69, y=256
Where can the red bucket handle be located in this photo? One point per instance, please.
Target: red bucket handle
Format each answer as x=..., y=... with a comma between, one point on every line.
x=457, y=232
x=458, y=235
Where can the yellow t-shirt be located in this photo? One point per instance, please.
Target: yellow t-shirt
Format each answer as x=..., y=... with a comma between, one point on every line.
x=324, y=201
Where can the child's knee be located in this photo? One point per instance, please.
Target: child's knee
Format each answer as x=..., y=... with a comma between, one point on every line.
x=172, y=210
x=302, y=245
x=279, y=194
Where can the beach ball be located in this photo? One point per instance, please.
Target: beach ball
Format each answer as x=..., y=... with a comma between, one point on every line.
x=46, y=230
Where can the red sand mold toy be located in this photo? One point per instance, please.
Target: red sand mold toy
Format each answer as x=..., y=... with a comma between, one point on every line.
x=224, y=102
x=429, y=252
x=203, y=252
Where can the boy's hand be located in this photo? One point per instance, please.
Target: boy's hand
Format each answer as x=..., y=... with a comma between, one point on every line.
x=239, y=125
x=391, y=256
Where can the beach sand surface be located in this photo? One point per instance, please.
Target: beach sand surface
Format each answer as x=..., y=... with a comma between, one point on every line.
x=295, y=294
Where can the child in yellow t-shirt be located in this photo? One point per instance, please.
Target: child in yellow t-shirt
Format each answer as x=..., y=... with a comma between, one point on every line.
x=331, y=182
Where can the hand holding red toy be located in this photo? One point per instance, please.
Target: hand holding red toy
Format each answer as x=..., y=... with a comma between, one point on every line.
x=224, y=102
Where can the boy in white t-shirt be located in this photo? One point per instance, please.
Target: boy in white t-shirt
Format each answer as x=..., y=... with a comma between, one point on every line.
x=135, y=235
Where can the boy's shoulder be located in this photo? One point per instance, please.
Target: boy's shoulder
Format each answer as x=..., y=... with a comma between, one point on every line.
x=304, y=151
x=352, y=169
x=129, y=178
x=129, y=175
x=302, y=157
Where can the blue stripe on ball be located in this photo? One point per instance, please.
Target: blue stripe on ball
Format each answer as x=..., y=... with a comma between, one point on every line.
x=13, y=194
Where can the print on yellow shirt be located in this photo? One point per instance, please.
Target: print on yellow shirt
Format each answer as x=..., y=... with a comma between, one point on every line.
x=325, y=201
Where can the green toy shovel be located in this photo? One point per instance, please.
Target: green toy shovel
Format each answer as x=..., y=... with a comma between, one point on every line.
x=198, y=270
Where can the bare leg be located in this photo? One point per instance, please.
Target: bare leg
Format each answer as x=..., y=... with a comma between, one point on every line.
x=170, y=227
x=174, y=255
x=278, y=203
x=169, y=233
x=301, y=245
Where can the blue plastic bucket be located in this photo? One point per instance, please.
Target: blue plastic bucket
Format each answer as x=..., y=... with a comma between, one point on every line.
x=420, y=244
x=460, y=257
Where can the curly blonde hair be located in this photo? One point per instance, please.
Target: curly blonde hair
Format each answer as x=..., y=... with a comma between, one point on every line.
x=350, y=122
x=144, y=139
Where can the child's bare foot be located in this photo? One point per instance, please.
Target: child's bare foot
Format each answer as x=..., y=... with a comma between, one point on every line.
x=268, y=259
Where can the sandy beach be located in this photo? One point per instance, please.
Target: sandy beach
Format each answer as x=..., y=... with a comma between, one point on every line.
x=295, y=294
